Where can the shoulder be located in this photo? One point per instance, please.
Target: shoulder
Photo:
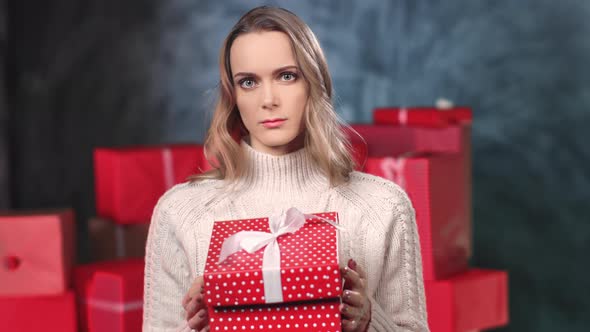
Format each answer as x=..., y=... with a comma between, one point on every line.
x=376, y=197
x=193, y=196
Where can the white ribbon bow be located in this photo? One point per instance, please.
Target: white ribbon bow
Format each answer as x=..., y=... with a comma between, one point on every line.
x=285, y=223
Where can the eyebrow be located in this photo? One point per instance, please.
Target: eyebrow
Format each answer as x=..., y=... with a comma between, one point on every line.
x=274, y=72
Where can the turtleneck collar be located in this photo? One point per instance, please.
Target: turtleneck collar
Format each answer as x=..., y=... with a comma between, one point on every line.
x=291, y=174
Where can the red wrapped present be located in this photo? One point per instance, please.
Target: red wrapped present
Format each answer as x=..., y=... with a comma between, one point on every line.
x=387, y=140
x=439, y=189
x=36, y=252
x=112, y=241
x=110, y=295
x=55, y=313
x=295, y=279
x=129, y=181
x=431, y=117
x=474, y=300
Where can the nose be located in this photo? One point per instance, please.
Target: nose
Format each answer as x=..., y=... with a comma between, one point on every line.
x=270, y=98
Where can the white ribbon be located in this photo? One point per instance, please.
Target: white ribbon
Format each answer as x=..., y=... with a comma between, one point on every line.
x=286, y=223
x=402, y=116
x=393, y=169
x=113, y=306
x=168, y=167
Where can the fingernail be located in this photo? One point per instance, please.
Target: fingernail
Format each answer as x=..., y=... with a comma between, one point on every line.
x=202, y=313
x=346, y=294
x=352, y=264
x=345, y=270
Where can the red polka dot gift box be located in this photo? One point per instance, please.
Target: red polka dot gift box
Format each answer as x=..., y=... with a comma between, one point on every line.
x=276, y=273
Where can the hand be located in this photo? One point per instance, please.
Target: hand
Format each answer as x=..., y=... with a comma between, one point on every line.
x=194, y=305
x=356, y=307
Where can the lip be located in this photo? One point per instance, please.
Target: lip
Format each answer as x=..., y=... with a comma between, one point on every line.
x=273, y=123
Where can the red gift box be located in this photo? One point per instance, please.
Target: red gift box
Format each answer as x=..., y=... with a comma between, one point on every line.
x=387, y=140
x=285, y=317
x=129, y=181
x=303, y=280
x=422, y=116
x=474, y=300
x=55, y=313
x=110, y=295
x=112, y=241
x=439, y=189
x=36, y=252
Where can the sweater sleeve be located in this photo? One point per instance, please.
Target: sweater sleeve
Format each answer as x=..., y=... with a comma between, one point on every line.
x=167, y=277
x=398, y=303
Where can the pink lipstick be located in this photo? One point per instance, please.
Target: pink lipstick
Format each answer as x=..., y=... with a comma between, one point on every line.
x=273, y=123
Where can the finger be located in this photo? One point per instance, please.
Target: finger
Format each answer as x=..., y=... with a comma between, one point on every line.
x=352, y=298
x=185, y=301
x=199, y=321
x=196, y=287
x=352, y=280
x=194, y=306
x=349, y=312
x=353, y=265
x=205, y=329
x=349, y=325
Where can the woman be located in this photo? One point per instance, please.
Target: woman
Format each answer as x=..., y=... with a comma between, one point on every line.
x=274, y=143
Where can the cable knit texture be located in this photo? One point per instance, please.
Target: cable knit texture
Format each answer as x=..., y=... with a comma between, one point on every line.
x=380, y=235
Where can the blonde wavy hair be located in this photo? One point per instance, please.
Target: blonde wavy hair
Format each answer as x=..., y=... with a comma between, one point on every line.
x=324, y=140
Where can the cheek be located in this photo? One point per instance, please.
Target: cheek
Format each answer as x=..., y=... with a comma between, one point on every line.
x=247, y=107
x=297, y=99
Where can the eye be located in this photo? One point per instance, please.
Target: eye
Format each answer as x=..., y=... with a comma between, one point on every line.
x=247, y=83
x=288, y=76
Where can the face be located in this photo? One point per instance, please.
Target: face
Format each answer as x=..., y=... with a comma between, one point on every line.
x=271, y=93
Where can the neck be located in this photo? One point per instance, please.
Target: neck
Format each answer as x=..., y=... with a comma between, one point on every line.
x=295, y=144
x=292, y=174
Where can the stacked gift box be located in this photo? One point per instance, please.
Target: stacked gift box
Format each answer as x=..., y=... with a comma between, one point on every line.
x=128, y=183
x=110, y=295
x=287, y=286
x=427, y=151
x=36, y=257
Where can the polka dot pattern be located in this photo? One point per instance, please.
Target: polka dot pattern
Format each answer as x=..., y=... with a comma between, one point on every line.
x=309, y=264
x=311, y=316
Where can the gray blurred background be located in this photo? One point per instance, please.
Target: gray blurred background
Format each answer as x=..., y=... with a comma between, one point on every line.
x=82, y=74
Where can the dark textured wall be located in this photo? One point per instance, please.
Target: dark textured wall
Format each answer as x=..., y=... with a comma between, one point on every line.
x=4, y=171
x=130, y=72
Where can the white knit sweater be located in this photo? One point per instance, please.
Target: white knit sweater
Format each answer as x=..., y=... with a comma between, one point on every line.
x=380, y=235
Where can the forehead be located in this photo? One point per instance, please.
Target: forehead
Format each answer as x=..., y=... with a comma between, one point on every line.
x=261, y=52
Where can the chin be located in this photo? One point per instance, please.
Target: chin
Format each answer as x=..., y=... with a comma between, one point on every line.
x=277, y=141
